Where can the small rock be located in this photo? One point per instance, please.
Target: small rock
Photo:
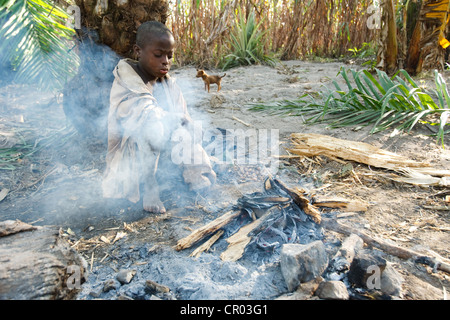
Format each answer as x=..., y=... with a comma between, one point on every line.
x=391, y=281
x=366, y=269
x=217, y=100
x=305, y=291
x=302, y=263
x=332, y=290
x=153, y=287
x=125, y=276
x=95, y=293
x=110, y=284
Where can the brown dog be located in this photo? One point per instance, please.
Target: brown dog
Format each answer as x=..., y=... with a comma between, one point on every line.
x=210, y=79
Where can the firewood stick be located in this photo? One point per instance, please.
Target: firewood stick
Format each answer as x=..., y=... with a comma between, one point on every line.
x=205, y=246
x=381, y=244
x=301, y=201
x=206, y=230
x=343, y=205
x=239, y=240
x=239, y=120
x=8, y=227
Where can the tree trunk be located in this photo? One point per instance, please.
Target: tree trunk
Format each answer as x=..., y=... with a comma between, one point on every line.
x=37, y=264
x=388, y=50
x=426, y=30
x=433, y=21
x=116, y=21
x=413, y=36
x=108, y=33
x=294, y=34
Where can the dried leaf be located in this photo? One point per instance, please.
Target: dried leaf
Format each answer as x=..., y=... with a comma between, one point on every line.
x=119, y=236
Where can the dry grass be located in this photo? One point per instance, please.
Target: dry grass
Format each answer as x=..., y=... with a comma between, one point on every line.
x=295, y=29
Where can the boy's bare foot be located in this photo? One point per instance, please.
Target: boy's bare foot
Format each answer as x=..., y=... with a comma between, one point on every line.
x=152, y=203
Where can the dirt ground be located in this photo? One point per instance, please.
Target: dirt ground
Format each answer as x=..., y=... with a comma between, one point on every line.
x=41, y=192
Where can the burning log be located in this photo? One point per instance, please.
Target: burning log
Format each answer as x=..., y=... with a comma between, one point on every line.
x=344, y=257
x=207, y=244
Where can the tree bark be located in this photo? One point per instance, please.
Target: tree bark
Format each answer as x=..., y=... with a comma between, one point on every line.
x=388, y=51
x=39, y=265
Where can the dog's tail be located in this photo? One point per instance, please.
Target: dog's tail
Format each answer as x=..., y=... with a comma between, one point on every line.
x=223, y=76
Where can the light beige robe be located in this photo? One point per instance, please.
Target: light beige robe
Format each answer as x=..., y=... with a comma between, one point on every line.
x=139, y=126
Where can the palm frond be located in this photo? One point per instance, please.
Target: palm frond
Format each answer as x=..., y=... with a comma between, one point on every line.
x=36, y=42
x=246, y=44
x=380, y=101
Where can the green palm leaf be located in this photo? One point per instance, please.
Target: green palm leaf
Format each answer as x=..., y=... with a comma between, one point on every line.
x=36, y=42
x=246, y=44
x=380, y=101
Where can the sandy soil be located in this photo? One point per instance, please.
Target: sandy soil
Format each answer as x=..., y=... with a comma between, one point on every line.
x=40, y=191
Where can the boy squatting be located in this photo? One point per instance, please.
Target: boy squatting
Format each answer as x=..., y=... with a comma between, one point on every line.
x=146, y=108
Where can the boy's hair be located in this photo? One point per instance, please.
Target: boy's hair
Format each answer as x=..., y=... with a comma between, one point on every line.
x=150, y=29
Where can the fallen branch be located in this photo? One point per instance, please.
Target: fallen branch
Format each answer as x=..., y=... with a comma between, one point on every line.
x=439, y=208
x=385, y=246
x=342, y=204
x=315, y=144
x=239, y=120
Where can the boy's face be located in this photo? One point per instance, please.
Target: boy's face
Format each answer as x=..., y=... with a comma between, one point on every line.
x=155, y=58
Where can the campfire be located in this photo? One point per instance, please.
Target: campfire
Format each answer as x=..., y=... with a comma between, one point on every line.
x=264, y=220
